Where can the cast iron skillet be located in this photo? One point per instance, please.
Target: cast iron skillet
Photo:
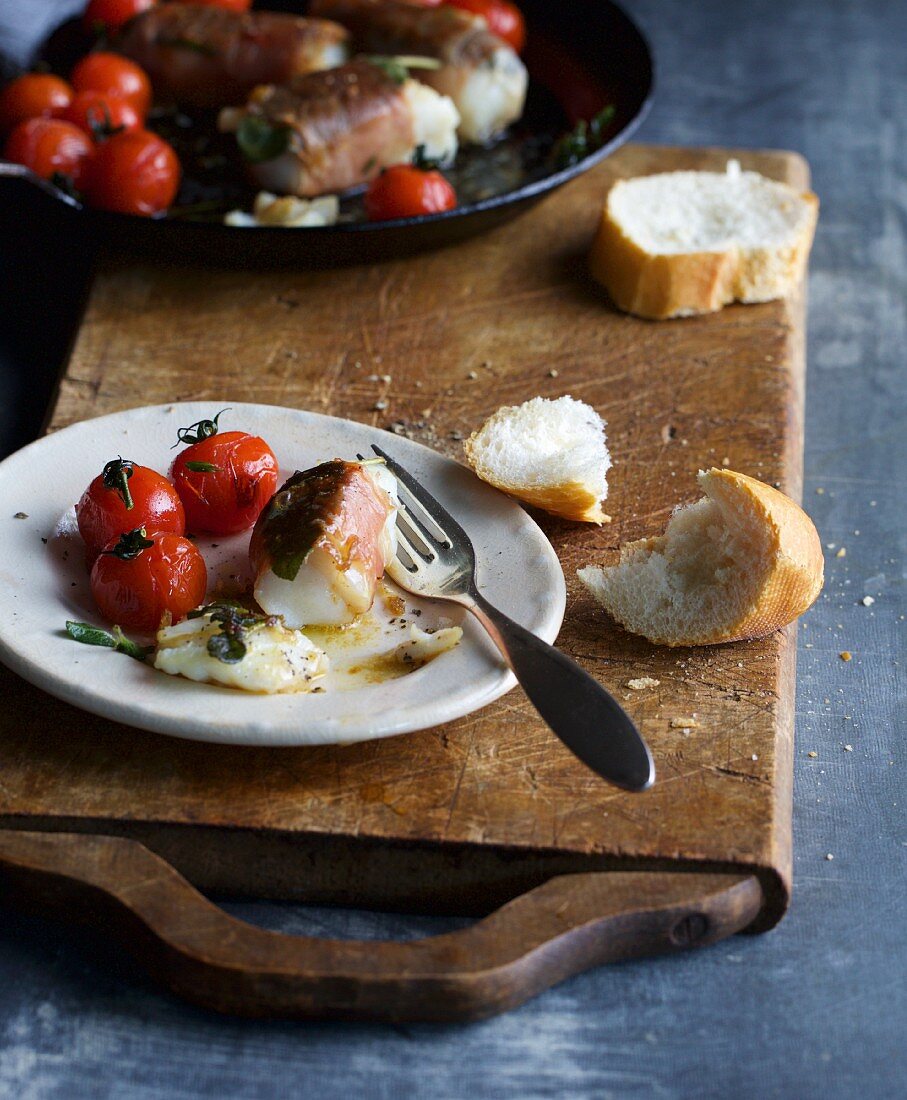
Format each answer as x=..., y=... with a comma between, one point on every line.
x=581, y=54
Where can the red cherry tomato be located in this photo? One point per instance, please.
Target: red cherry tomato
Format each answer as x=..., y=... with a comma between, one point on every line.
x=51, y=147
x=35, y=95
x=98, y=114
x=503, y=18
x=139, y=577
x=135, y=172
x=224, y=480
x=113, y=75
x=110, y=15
x=103, y=513
x=230, y=5
x=405, y=191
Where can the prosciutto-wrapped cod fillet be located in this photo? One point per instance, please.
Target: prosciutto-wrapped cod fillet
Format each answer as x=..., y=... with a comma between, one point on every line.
x=321, y=545
x=482, y=74
x=203, y=56
x=333, y=130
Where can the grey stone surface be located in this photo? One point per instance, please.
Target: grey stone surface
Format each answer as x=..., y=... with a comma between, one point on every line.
x=813, y=1009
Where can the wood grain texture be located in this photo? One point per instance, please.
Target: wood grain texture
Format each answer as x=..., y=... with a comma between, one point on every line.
x=558, y=929
x=464, y=815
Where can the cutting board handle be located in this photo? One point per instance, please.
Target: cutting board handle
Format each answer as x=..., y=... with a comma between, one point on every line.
x=197, y=950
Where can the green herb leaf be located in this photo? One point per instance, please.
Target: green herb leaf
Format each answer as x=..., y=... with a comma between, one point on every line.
x=202, y=467
x=117, y=640
x=397, y=68
x=227, y=647
x=585, y=138
x=260, y=140
x=235, y=621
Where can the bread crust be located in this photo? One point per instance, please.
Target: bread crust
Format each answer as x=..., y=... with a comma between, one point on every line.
x=790, y=582
x=659, y=286
x=570, y=499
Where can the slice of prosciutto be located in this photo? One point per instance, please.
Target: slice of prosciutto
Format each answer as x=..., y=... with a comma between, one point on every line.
x=321, y=545
x=337, y=129
x=203, y=56
x=481, y=73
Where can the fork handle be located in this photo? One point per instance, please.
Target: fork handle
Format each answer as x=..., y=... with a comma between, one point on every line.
x=589, y=721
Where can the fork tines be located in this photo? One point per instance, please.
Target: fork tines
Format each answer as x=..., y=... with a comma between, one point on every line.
x=421, y=513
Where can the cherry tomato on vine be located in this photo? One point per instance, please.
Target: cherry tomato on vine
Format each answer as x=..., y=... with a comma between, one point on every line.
x=100, y=114
x=405, y=191
x=51, y=147
x=35, y=95
x=110, y=15
x=113, y=75
x=138, y=577
x=224, y=479
x=134, y=172
x=503, y=18
x=125, y=496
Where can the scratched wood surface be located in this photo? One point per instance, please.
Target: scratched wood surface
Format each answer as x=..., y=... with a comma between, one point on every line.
x=461, y=816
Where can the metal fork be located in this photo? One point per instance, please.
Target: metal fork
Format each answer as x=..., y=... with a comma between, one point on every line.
x=436, y=560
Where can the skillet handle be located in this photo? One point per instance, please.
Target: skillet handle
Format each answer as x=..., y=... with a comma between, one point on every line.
x=197, y=950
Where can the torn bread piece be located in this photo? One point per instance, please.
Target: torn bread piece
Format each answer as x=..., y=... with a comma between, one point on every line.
x=550, y=453
x=682, y=243
x=740, y=563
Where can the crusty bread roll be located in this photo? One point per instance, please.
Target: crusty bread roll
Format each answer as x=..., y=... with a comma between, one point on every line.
x=681, y=243
x=740, y=563
x=550, y=453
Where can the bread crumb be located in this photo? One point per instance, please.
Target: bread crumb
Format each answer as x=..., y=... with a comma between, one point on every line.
x=848, y=748
x=553, y=373
x=379, y=406
x=812, y=755
x=819, y=491
x=867, y=601
x=473, y=374
x=842, y=553
x=725, y=461
x=830, y=855
x=684, y=723
x=642, y=682
x=846, y=655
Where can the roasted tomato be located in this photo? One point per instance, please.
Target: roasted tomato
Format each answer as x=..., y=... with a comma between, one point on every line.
x=51, y=147
x=125, y=496
x=134, y=172
x=405, y=191
x=504, y=19
x=35, y=95
x=113, y=75
x=224, y=479
x=102, y=115
x=104, y=16
x=138, y=578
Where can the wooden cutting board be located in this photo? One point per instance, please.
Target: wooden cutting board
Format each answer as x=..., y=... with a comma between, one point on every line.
x=468, y=815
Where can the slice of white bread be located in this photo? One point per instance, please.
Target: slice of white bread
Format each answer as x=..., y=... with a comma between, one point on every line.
x=548, y=452
x=740, y=563
x=681, y=243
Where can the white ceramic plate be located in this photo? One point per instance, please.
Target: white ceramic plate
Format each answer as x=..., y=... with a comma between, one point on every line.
x=44, y=584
